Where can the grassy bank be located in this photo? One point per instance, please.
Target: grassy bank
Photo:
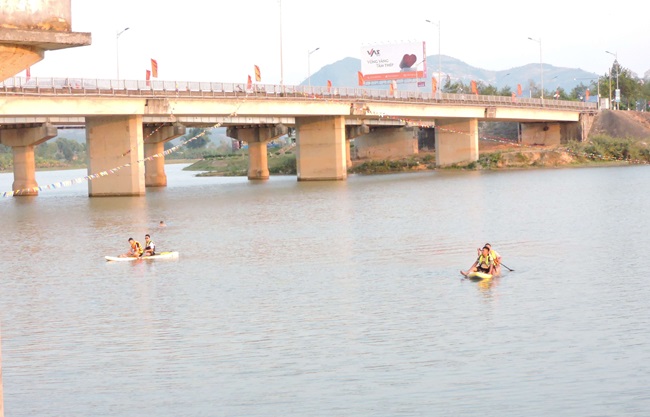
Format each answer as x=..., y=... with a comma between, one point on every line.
x=601, y=150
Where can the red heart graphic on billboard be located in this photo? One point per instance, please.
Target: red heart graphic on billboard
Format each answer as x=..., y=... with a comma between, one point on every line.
x=408, y=61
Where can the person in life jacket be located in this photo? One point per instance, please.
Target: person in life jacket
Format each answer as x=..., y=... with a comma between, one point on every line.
x=484, y=263
x=149, y=246
x=496, y=257
x=134, y=251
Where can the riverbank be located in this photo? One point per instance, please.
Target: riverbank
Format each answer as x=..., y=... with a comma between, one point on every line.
x=493, y=155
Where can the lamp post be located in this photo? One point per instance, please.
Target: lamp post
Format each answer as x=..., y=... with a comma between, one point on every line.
x=541, y=68
x=281, y=64
x=618, y=92
x=309, y=65
x=439, y=56
x=117, y=50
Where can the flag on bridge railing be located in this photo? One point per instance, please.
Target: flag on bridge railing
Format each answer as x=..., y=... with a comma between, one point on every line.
x=587, y=95
x=329, y=85
x=147, y=77
x=519, y=90
x=258, y=74
x=391, y=89
x=474, y=88
x=249, y=83
x=360, y=77
x=434, y=85
x=154, y=68
x=28, y=74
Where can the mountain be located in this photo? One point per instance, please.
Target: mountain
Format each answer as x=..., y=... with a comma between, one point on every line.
x=343, y=73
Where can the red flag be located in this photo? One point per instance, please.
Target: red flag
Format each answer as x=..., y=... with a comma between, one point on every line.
x=587, y=95
x=434, y=85
x=329, y=85
x=249, y=84
x=28, y=73
x=360, y=77
x=474, y=89
x=154, y=68
x=513, y=96
x=391, y=89
x=148, y=77
x=519, y=89
x=258, y=74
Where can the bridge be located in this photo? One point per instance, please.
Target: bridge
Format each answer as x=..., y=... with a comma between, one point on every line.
x=128, y=121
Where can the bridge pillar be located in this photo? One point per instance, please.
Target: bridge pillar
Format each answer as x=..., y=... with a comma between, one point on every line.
x=28, y=29
x=321, y=154
x=456, y=141
x=257, y=137
x=22, y=141
x=352, y=132
x=540, y=133
x=154, y=144
x=387, y=142
x=115, y=142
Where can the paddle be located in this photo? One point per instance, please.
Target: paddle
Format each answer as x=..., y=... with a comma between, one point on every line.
x=507, y=268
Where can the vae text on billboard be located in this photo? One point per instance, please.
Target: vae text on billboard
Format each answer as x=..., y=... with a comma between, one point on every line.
x=394, y=61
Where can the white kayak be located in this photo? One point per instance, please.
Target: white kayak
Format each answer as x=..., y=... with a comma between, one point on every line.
x=161, y=255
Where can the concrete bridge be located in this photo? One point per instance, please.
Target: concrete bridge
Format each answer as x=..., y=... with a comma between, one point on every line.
x=127, y=123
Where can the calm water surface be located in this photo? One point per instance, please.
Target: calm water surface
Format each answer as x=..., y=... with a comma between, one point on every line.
x=332, y=298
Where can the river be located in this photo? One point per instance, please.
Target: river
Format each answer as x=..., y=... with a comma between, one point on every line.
x=331, y=298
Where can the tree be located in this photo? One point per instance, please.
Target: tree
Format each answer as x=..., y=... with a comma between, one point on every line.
x=70, y=149
x=197, y=138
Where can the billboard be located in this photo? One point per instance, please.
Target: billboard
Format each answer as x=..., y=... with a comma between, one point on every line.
x=400, y=61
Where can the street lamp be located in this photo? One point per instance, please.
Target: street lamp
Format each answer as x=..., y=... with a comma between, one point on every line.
x=281, y=66
x=309, y=65
x=439, y=72
x=117, y=50
x=618, y=92
x=541, y=68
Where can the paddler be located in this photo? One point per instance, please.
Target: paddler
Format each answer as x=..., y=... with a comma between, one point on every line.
x=149, y=246
x=484, y=263
x=496, y=257
x=135, y=250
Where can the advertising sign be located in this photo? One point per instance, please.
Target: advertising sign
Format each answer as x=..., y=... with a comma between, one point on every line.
x=381, y=62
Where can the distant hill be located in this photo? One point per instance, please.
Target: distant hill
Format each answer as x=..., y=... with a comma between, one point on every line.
x=343, y=73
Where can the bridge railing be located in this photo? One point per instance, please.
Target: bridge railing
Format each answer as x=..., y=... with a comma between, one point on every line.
x=41, y=86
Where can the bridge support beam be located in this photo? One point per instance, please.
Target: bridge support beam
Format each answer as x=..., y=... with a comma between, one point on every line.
x=154, y=144
x=387, y=142
x=540, y=133
x=321, y=154
x=115, y=142
x=456, y=141
x=257, y=138
x=22, y=141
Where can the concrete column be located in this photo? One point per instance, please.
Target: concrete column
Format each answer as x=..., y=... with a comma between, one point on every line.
x=540, y=134
x=154, y=144
x=321, y=148
x=456, y=141
x=257, y=137
x=353, y=132
x=348, y=158
x=22, y=141
x=387, y=142
x=113, y=142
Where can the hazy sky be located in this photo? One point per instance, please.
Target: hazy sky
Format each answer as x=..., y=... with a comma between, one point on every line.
x=221, y=41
